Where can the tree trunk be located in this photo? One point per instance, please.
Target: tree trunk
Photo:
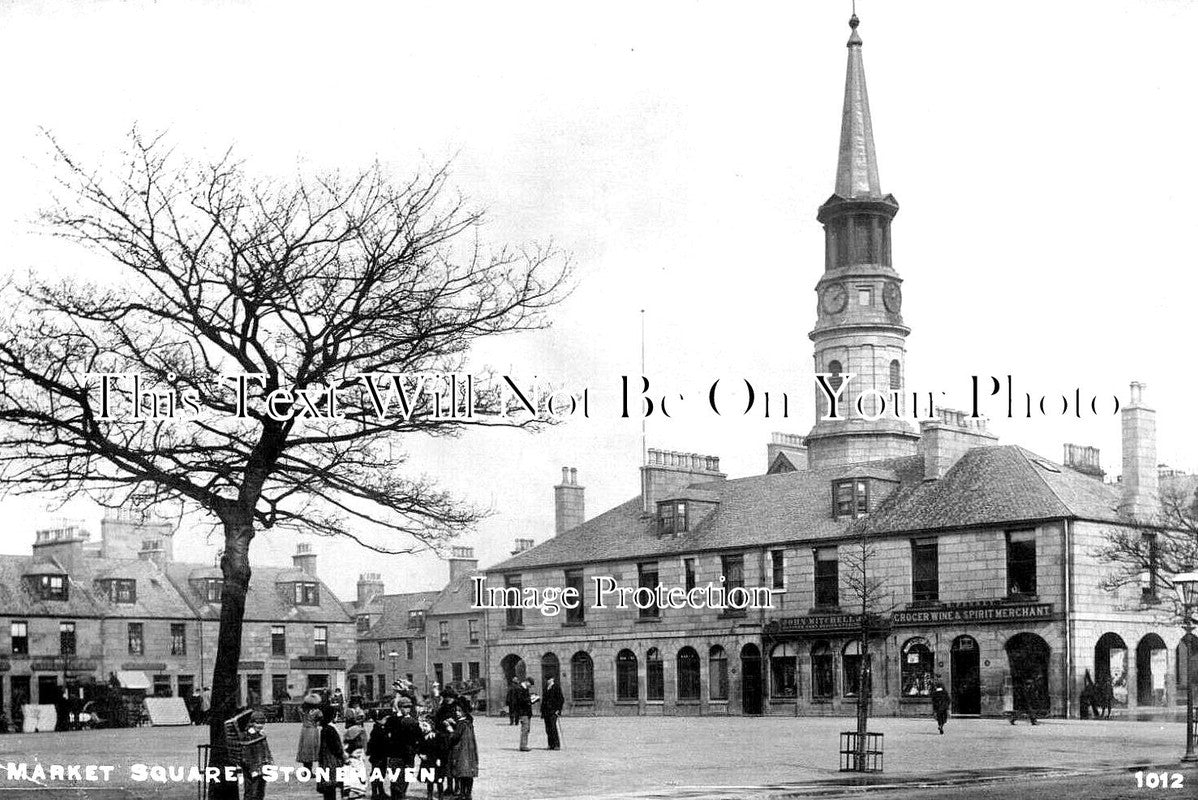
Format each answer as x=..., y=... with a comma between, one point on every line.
x=864, y=689
x=235, y=564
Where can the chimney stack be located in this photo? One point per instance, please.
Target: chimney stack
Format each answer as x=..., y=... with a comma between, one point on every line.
x=370, y=586
x=1084, y=460
x=461, y=562
x=304, y=558
x=666, y=471
x=568, y=502
x=64, y=544
x=1139, y=482
x=522, y=545
x=943, y=440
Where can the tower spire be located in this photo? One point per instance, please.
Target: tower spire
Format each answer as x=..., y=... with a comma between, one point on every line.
x=857, y=167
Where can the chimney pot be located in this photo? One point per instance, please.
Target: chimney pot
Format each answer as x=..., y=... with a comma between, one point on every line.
x=569, y=506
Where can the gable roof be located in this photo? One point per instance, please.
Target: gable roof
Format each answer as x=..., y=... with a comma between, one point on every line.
x=455, y=598
x=394, y=622
x=996, y=485
x=265, y=601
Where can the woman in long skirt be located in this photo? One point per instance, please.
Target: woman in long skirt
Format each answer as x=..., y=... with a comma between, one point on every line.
x=463, y=750
x=309, y=741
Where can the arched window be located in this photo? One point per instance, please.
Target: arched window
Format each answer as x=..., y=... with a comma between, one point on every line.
x=836, y=369
x=688, y=674
x=917, y=668
x=626, y=677
x=582, y=678
x=896, y=374
x=550, y=668
x=655, y=675
x=717, y=673
x=784, y=679
x=821, y=671
x=851, y=658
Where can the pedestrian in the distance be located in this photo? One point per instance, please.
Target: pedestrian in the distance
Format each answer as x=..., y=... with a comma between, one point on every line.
x=551, y=710
x=309, y=741
x=522, y=703
x=940, y=705
x=513, y=688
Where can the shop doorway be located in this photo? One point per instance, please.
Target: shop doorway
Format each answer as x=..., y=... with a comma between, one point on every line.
x=750, y=681
x=1110, y=669
x=1150, y=671
x=966, y=676
x=1027, y=657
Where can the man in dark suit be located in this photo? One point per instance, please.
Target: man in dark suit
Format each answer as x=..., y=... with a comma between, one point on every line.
x=522, y=702
x=403, y=737
x=551, y=708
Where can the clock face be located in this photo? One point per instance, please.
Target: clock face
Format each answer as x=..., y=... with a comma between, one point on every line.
x=892, y=296
x=835, y=299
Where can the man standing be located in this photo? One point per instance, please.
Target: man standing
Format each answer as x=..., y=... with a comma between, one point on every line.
x=522, y=703
x=513, y=688
x=940, y=705
x=1025, y=700
x=551, y=708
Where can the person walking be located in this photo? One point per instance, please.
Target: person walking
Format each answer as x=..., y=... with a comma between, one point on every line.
x=1025, y=700
x=940, y=705
x=402, y=740
x=463, y=750
x=551, y=710
x=309, y=741
x=522, y=703
x=331, y=755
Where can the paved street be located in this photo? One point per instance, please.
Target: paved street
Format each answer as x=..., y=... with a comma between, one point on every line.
x=697, y=757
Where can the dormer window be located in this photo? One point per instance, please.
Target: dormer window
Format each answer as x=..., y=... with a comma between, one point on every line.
x=416, y=620
x=363, y=623
x=213, y=588
x=120, y=590
x=671, y=518
x=307, y=594
x=49, y=587
x=850, y=498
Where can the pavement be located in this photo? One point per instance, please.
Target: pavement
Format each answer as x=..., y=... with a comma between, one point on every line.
x=737, y=758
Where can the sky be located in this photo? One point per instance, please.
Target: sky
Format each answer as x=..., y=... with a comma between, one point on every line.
x=1041, y=154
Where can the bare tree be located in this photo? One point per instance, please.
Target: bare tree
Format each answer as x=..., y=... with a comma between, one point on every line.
x=1158, y=549
x=307, y=285
x=872, y=601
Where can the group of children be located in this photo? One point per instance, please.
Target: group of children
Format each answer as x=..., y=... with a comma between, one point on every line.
x=436, y=737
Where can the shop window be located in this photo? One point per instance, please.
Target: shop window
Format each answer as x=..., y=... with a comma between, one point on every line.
x=626, y=676
x=917, y=668
x=162, y=686
x=688, y=674
x=784, y=680
x=717, y=673
x=1021, y=562
x=655, y=677
x=821, y=671
x=854, y=667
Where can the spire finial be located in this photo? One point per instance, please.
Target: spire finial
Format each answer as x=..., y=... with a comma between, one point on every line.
x=854, y=38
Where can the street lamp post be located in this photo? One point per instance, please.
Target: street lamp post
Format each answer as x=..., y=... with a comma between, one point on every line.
x=1186, y=584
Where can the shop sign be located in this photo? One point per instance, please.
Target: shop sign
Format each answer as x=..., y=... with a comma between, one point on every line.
x=977, y=614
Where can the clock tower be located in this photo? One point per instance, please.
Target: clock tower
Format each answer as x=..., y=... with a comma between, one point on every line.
x=859, y=330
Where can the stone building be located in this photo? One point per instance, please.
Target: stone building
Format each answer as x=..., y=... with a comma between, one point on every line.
x=422, y=636
x=77, y=610
x=926, y=554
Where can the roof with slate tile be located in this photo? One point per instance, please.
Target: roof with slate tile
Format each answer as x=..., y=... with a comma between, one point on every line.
x=269, y=598
x=394, y=622
x=988, y=486
x=455, y=598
